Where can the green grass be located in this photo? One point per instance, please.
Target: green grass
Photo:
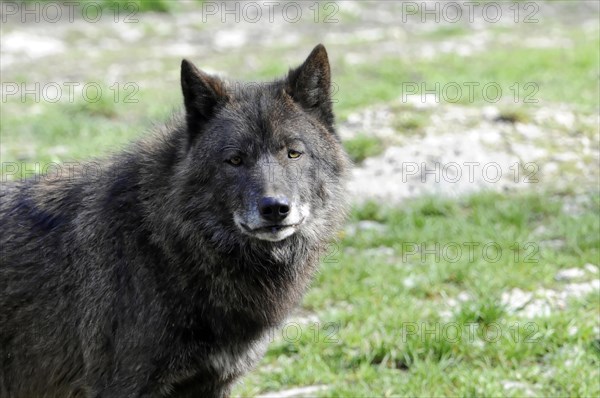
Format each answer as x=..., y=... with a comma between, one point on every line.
x=363, y=146
x=64, y=132
x=536, y=66
x=409, y=121
x=445, y=32
x=535, y=76
x=391, y=337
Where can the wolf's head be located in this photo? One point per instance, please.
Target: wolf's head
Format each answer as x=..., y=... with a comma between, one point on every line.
x=263, y=161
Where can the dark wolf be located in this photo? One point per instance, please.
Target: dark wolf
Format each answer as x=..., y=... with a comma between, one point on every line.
x=162, y=273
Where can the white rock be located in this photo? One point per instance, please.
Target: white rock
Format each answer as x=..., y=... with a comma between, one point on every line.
x=302, y=319
x=227, y=39
x=490, y=112
x=569, y=274
x=515, y=299
x=567, y=119
x=572, y=331
x=549, y=168
x=34, y=46
x=518, y=385
x=380, y=251
x=529, y=130
x=367, y=225
x=578, y=290
x=537, y=308
x=409, y=282
x=354, y=118
x=591, y=268
x=422, y=101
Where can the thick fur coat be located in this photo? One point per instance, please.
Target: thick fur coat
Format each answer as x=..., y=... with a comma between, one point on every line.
x=160, y=271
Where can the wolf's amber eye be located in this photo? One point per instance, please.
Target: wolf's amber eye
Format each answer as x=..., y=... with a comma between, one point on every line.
x=294, y=154
x=236, y=160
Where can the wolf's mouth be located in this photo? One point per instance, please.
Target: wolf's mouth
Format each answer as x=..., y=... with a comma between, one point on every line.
x=275, y=228
x=271, y=230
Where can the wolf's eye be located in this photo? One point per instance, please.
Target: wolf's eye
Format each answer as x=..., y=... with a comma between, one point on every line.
x=236, y=161
x=292, y=154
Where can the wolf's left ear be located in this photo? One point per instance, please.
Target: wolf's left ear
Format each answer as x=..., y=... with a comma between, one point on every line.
x=310, y=86
x=202, y=95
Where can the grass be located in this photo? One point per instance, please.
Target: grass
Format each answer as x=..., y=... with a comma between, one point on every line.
x=415, y=343
x=409, y=121
x=444, y=32
x=363, y=146
x=533, y=81
x=64, y=131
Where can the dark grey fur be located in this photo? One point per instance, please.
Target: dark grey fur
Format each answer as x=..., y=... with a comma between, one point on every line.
x=137, y=281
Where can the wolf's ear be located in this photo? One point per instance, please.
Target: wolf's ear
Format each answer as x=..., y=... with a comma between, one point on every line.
x=202, y=94
x=310, y=86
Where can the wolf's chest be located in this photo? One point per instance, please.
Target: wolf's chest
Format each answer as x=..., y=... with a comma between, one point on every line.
x=234, y=360
x=217, y=367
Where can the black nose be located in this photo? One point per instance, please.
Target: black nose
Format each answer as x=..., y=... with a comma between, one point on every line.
x=274, y=209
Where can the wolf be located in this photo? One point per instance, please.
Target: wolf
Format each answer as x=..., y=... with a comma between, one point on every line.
x=163, y=274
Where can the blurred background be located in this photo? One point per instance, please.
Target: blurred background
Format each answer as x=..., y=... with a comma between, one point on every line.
x=469, y=266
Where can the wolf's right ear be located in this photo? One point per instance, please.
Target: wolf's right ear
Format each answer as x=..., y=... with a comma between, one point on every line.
x=202, y=94
x=310, y=86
